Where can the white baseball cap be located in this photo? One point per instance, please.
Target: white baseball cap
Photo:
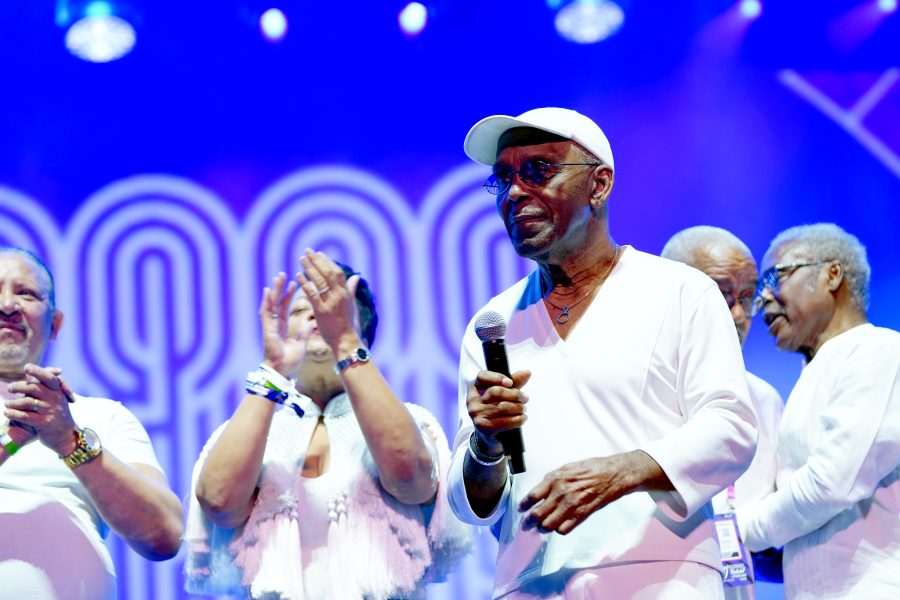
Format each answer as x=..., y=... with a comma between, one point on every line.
x=481, y=141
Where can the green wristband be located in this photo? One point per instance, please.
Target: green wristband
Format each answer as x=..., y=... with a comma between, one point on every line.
x=8, y=443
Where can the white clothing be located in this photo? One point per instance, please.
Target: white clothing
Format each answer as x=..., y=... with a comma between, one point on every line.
x=336, y=536
x=837, y=506
x=52, y=534
x=759, y=479
x=320, y=502
x=654, y=364
x=660, y=580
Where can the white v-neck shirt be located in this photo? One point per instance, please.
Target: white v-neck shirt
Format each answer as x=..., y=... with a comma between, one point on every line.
x=653, y=364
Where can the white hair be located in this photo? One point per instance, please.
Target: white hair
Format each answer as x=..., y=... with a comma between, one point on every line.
x=684, y=245
x=827, y=241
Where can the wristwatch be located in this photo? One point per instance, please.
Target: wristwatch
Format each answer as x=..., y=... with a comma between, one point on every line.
x=87, y=448
x=360, y=355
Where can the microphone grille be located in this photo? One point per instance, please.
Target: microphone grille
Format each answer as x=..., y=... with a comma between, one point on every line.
x=490, y=325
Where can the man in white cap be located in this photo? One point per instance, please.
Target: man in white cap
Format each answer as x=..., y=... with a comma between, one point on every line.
x=728, y=261
x=638, y=409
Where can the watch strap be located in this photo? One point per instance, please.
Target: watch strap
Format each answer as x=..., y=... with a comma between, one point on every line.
x=360, y=355
x=82, y=453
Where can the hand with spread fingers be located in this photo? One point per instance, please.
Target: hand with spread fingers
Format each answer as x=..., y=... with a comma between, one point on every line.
x=282, y=351
x=43, y=407
x=332, y=298
x=496, y=403
x=569, y=495
x=573, y=492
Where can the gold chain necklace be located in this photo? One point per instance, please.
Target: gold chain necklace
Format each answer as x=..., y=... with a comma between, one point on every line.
x=564, y=316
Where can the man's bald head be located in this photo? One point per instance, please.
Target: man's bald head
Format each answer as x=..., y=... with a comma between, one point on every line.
x=726, y=260
x=691, y=245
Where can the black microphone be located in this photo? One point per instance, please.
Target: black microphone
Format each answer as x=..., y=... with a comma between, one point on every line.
x=490, y=329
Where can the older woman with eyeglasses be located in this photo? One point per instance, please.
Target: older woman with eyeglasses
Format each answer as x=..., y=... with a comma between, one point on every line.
x=836, y=510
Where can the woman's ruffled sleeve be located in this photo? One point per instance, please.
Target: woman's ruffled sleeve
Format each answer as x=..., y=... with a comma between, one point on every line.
x=449, y=539
x=209, y=567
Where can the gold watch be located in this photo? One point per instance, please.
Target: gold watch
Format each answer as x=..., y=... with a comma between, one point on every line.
x=87, y=448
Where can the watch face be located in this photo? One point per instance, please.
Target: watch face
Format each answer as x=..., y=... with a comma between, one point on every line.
x=91, y=440
x=362, y=354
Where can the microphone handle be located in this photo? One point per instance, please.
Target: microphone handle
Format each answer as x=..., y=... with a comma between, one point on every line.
x=511, y=440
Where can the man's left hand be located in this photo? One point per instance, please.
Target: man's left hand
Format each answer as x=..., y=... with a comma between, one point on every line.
x=570, y=494
x=44, y=406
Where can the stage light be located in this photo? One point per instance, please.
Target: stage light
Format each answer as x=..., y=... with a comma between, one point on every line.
x=97, y=31
x=589, y=21
x=850, y=30
x=750, y=9
x=273, y=25
x=413, y=18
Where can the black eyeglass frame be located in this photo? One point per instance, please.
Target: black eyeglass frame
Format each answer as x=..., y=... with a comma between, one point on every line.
x=771, y=278
x=528, y=175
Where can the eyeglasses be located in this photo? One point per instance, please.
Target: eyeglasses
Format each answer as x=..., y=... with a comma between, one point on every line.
x=746, y=301
x=772, y=277
x=533, y=173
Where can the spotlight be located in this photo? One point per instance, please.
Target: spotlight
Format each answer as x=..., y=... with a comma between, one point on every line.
x=273, y=25
x=589, y=21
x=413, y=18
x=97, y=31
x=750, y=9
x=851, y=29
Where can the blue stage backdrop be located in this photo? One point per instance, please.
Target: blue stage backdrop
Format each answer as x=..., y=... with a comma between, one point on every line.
x=166, y=188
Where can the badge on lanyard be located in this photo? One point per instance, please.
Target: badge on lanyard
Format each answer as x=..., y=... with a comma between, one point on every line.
x=735, y=558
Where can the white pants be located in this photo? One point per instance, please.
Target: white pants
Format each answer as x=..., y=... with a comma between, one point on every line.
x=666, y=580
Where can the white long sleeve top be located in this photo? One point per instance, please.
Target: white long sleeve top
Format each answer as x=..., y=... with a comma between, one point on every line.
x=653, y=364
x=837, y=507
x=758, y=480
